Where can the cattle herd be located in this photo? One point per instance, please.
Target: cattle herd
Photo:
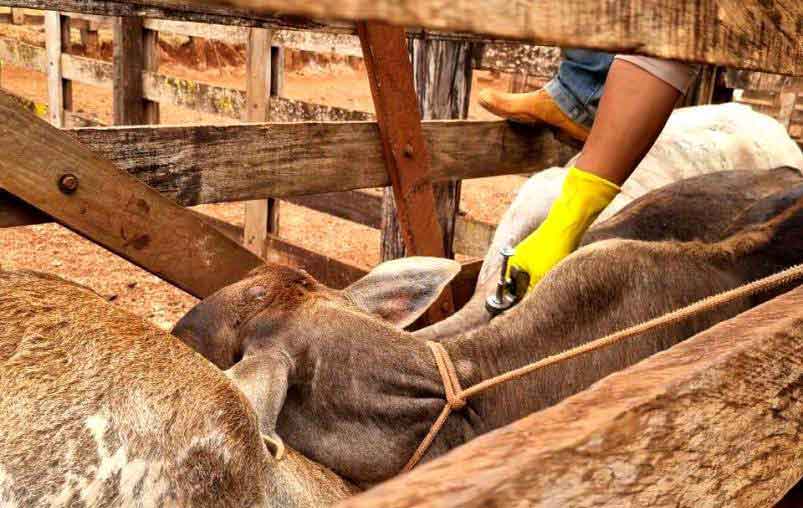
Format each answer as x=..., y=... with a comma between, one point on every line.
x=279, y=391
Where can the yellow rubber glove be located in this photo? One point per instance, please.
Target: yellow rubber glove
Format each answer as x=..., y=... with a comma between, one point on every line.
x=583, y=197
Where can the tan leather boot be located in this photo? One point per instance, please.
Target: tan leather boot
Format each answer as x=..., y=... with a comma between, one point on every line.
x=532, y=108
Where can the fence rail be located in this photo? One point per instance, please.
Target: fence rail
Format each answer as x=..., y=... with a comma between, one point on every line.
x=472, y=237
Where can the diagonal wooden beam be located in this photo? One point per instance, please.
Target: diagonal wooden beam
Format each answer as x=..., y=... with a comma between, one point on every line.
x=55, y=173
x=404, y=148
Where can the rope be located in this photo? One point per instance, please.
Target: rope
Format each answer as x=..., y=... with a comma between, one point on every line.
x=456, y=397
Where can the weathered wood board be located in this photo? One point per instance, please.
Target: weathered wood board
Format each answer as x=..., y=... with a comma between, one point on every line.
x=212, y=164
x=207, y=98
x=713, y=421
x=749, y=34
x=129, y=62
x=49, y=169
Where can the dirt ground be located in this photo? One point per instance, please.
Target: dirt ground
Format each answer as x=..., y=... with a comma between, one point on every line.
x=336, y=81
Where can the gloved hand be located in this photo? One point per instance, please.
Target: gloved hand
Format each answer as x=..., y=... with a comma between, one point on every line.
x=583, y=197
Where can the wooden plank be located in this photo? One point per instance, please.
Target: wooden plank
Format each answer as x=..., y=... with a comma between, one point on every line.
x=206, y=13
x=59, y=90
x=277, y=64
x=88, y=71
x=150, y=63
x=229, y=34
x=356, y=206
x=407, y=160
x=261, y=216
x=230, y=103
x=332, y=272
x=76, y=120
x=761, y=81
x=515, y=58
x=442, y=75
x=329, y=271
x=505, y=57
x=713, y=421
x=211, y=164
x=472, y=237
x=113, y=209
x=17, y=16
x=754, y=34
x=129, y=61
x=786, y=106
x=341, y=44
x=20, y=54
x=98, y=21
x=227, y=102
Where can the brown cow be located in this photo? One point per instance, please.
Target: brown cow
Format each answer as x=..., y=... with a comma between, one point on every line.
x=100, y=408
x=357, y=394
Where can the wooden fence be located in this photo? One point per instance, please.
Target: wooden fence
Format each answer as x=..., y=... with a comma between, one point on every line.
x=764, y=92
x=710, y=422
x=471, y=237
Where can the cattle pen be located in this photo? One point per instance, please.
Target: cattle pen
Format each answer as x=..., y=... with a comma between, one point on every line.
x=126, y=187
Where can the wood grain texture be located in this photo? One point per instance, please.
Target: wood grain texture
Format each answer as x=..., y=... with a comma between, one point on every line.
x=207, y=98
x=150, y=56
x=261, y=216
x=58, y=92
x=404, y=148
x=750, y=34
x=207, y=13
x=212, y=164
x=505, y=57
x=129, y=63
x=113, y=209
x=88, y=71
x=713, y=421
x=442, y=76
x=472, y=237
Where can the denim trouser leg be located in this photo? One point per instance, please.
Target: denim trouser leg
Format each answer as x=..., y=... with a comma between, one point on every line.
x=578, y=86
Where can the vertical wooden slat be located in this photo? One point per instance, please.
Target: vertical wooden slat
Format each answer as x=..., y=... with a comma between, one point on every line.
x=129, y=60
x=261, y=217
x=17, y=16
x=59, y=90
x=786, y=106
x=407, y=160
x=276, y=71
x=151, y=63
x=442, y=74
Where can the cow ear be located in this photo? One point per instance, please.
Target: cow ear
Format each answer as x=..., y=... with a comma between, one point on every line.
x=399, y=291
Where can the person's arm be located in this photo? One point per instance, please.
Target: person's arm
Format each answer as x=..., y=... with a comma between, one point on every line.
x=639, y=96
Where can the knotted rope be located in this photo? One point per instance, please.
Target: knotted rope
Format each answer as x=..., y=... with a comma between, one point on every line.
x=456, y=396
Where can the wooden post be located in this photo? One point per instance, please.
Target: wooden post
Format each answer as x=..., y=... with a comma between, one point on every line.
x=129, y=61
x=59, y=90
x=786, y=107
x=151, y=63
x=442, y=73
x=261, y=217
x=276, y=71
x=17, y=16
x=407, y=159
x=704, y=88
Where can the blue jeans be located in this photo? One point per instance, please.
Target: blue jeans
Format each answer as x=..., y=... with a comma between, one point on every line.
x=578, y=86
